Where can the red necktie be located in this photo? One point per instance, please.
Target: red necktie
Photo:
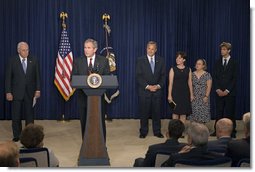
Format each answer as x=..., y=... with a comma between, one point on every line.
x=90, y=66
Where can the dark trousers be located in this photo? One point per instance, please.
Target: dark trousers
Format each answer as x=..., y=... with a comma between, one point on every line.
x=18, y=108
x=225, y=108
x=82, y=108
x=150, y=106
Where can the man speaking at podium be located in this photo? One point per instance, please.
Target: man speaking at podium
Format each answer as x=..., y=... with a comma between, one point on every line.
x=85, y=65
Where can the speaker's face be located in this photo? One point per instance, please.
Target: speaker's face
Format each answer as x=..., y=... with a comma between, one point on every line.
x=89, y=49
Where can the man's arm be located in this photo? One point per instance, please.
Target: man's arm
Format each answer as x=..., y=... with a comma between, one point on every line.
x=106, y=67
x=162, y=80
x=8, y=80
x=232, y=84
x=139, y=75
x=8, y=77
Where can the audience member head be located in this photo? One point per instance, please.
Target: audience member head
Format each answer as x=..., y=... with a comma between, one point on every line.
x=246, y=120
x=175, y=129
x=9, y=154
x=198, y=134
x=224, y=128
x=32, y=136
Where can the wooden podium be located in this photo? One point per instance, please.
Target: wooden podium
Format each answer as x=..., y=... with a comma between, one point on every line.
x=93, y=150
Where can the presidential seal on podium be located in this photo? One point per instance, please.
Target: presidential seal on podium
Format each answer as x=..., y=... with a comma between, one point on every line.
x=94, y=80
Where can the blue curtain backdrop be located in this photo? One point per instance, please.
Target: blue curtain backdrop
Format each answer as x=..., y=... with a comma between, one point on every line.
x=194, y=26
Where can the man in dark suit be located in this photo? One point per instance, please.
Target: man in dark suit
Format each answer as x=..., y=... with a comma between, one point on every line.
x=85, y=65
x=172, y=145
x=224, y=78
x=22, y=87
x=224, y=129
x=240, y=149
x=150, y=76
x=196, y=150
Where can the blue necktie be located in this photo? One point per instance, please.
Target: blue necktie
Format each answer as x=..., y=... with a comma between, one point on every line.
x=152, y=65
x=24, y=66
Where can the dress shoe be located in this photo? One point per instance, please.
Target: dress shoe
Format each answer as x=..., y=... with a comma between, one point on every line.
x=159, y=135
x=142, y=136
x=213, y=134
x=15, y=139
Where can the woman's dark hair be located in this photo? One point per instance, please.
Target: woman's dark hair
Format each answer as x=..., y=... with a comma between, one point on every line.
x=182, y=54
x=32, y=136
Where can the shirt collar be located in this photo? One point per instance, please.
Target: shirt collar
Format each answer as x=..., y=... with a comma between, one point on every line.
x=93, y=57
x=226, y=58
x=149, y=57
x=21, y=58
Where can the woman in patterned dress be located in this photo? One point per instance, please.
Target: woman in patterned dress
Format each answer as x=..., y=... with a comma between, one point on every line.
x=202, y=84
x=180, y=88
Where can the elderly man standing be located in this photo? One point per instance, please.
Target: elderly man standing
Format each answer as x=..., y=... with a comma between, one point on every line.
x=22, y=86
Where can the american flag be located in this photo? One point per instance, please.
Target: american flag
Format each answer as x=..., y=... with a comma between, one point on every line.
x=64, y=66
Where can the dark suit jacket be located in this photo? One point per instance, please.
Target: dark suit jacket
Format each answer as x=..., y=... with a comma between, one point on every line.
x=80, y=67
x=144, y=75
x=221, y=144
x=238, y=149
x=225, y=79
x=17, y=82
x=195, y=154
x=170, y=146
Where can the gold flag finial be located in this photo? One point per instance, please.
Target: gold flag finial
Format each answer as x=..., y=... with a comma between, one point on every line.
x=106, y=17
x=63, y=16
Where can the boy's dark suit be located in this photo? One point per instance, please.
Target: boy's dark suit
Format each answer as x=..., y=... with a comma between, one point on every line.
x=226, y=79
x=150, y=102
x=101, y=66
x=23, y=87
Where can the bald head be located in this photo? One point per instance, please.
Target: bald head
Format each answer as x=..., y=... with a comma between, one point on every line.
x=9, y=154
x=224, y=128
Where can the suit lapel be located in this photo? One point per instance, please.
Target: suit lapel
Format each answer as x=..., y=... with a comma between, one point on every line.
x=19, y=65
x=147, y=64
x=84, y=65
x=29, y=64
x=157, y=61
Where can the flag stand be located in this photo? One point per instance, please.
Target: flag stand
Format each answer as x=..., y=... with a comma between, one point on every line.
x=63, y=120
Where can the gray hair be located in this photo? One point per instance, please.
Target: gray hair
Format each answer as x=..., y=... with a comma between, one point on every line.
x=246, y=120
x=198, y=133
x=225, y=125
x=21, y=43
x=94, y=42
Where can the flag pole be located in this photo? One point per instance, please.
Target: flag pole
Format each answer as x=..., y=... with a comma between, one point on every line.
x=63, y=16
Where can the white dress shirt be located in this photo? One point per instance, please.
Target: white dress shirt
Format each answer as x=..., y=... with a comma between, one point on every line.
x=93, y=60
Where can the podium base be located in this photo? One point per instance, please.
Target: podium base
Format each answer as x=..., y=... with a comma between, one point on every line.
x=93, y=162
